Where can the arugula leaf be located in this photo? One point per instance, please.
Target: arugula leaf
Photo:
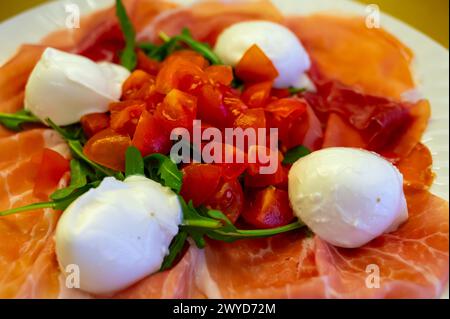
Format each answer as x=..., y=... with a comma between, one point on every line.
x=175, y=249
x=171, y=44
x=128, y=57
x=200, y=223
x=202, y=48
x=134, y=163
x=214, y=224
x=15, y=121
x=78, y=178
x=27, y=208
x=59, y=204
x=166, y=170
x=295, y=91
x=295, y=154
x=159, y=53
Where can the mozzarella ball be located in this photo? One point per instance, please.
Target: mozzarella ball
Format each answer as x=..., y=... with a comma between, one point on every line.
x=64, y=87
x=347, y=196
x=118, y=233
x=279, y=44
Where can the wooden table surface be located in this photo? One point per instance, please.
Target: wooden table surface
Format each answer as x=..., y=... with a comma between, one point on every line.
x=429, y=16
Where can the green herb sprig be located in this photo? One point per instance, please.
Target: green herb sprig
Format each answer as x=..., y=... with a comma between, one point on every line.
x=15, y=121
x=296, y=91
x=128, y=57
x=294, y=154
x=171, y=44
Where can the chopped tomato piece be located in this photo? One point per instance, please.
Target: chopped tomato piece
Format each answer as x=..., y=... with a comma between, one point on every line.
x=251, y=118
x=94, y=123
x=150, y=137
x=257, y=95
x=189, y=55
x=179, y=73
x=255, y=66
x=108, y=148
x=264, y=167
x=125, y=120
x=134, y=83
x=281, y=93
x=229, y=199
x=232, y=160
x=211, y=107
x=52, y=168
x=200, y=182
x=233, y=103
x=178, y=110
x=282, y=114
x=146, y=64
x=222, y=74
x=268, y=208
x=285, y=108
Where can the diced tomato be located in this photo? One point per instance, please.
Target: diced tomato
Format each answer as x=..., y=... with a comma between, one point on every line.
x=108, y=149
x=94, y=123
x=211, y=107
x=268, y=208
x=257, y=95
x=264, y=168
x=282, y=113
x=281, y=93
x=52, y=168
x=251, y=118
x=178, y=110
x=233, y=103
x=189, y=55
x=134, y=83
x=126, y=120
x=146, y=64
x=179, y=73
x=255, y=66
x=285, y=108
x=229, y=199
x=222, y=74
x=200, y=182
x=150, y=136
x=233, y=161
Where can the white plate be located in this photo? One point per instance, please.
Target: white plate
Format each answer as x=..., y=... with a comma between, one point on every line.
x=431, y=65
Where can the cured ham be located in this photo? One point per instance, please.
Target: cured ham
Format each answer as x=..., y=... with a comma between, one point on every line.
x=28, y=264
x=341, y=45
x=412, y=262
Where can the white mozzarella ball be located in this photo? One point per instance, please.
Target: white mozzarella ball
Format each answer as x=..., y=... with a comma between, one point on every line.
x=64, y=87
x=347, y=196
x=118, y=233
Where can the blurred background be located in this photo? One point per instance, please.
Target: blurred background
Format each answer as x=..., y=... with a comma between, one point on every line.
x=429, y=16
